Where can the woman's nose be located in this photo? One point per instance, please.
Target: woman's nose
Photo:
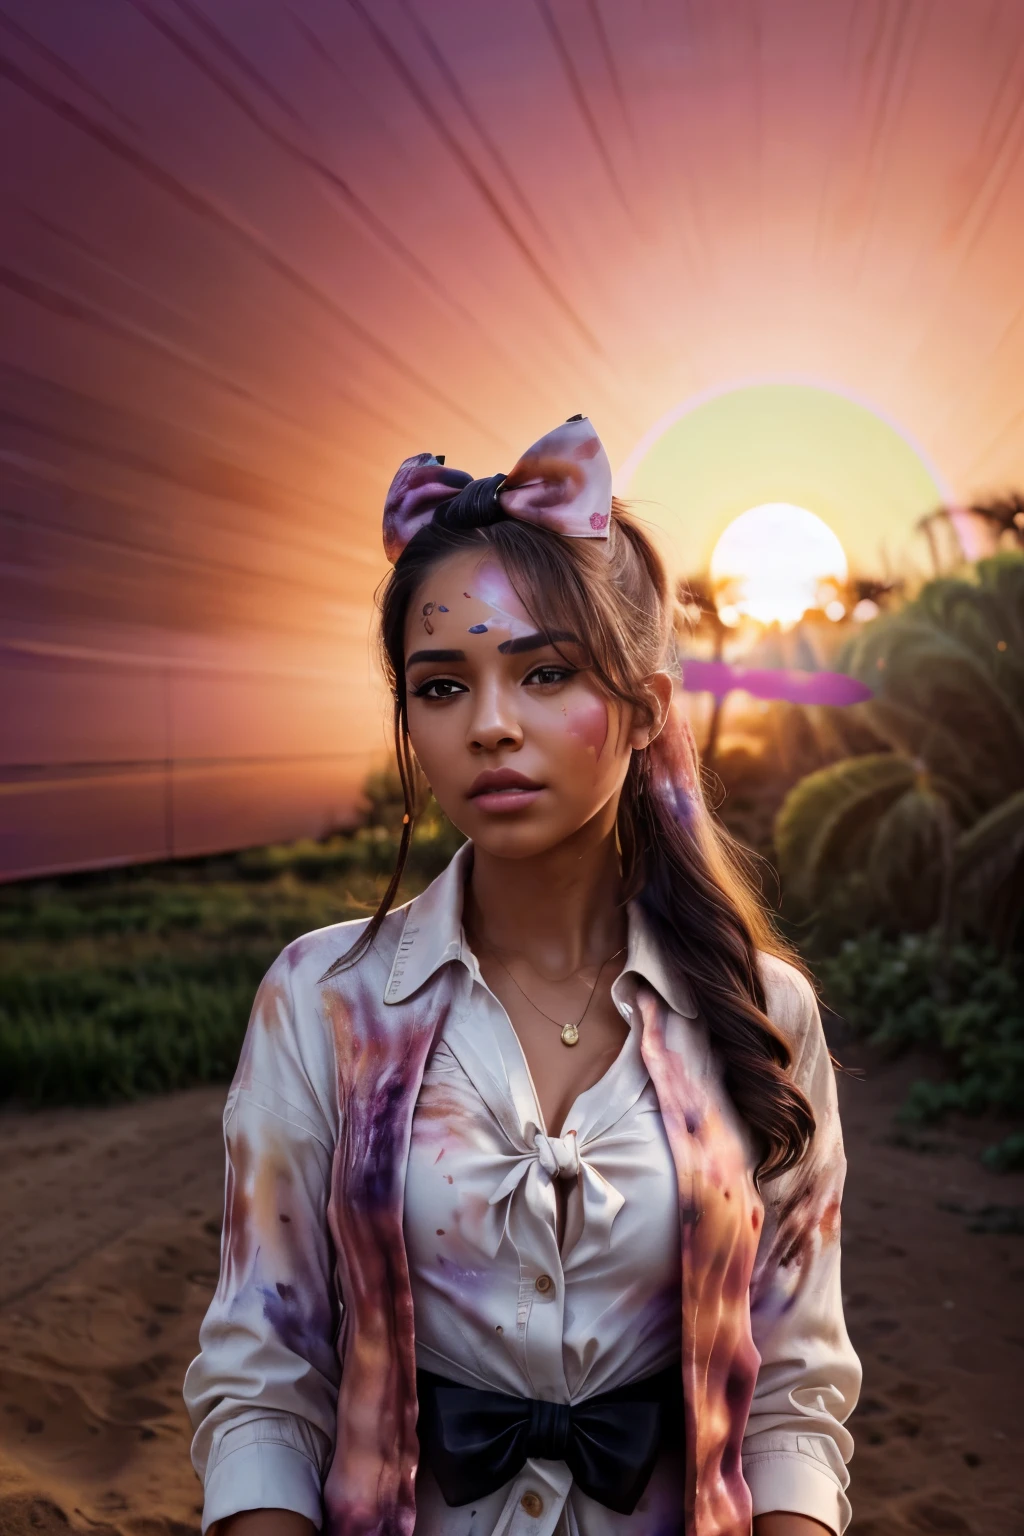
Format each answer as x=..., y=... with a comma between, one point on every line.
x=494, y=723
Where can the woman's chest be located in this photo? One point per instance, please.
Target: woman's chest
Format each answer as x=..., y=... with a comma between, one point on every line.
x=597, y=1293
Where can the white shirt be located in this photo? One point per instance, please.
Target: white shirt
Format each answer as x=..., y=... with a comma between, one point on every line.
x=263, y=1394
x=497, y=1304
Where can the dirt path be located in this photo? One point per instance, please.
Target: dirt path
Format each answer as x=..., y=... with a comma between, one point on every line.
x=934, y=1309
x=111, y=1220
x=109, y=1253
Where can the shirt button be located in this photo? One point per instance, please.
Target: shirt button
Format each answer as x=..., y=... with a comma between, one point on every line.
x=544, y=1284
x=533, y=1504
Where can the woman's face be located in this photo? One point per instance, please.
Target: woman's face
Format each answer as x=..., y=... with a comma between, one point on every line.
x=519, y=746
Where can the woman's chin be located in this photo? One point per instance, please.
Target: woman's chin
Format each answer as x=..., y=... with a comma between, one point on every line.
x=514, y=837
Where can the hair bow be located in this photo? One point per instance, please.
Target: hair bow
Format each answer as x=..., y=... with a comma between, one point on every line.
x=564, y=482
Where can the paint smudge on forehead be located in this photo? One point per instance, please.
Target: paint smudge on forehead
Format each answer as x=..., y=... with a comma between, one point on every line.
x=493, y=588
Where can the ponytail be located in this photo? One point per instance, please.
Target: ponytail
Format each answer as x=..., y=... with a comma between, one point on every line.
x=694, y=887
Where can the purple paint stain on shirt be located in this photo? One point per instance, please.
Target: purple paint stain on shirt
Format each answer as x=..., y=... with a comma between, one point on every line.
x=478, y=629
x=374, y=1190
x=303, y=1322
x=465, y=1277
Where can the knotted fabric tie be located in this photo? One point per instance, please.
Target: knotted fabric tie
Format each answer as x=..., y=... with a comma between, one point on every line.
x=564, y=483
x=476, y=1441
x=540, y=1161
x=559, y=1156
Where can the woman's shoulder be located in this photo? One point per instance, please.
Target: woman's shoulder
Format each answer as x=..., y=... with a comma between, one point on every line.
x=789, y=995
x=289, y=1049
x=792, y=1006
x=307, y=961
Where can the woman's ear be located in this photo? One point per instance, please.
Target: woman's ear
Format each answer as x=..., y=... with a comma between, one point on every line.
x=658, y=688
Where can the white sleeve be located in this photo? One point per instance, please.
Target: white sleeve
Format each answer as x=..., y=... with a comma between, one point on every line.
x=795, y=1448
x=262, y=1393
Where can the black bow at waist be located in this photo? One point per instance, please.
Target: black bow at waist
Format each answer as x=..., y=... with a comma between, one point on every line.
x=475, y=1441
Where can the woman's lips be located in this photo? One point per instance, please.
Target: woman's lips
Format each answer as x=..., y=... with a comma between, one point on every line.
x=503, y=789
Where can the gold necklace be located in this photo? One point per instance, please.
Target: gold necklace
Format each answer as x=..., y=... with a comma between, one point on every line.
x=569, y=1033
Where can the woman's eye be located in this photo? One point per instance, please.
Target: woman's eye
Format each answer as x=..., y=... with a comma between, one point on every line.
x=438, y=688
x=546, y=676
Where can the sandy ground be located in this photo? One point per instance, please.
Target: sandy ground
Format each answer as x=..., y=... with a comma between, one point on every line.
x=110, y=1221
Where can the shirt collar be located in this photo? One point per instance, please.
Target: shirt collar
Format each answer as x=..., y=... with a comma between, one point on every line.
x=645, y=959
x=432, y=936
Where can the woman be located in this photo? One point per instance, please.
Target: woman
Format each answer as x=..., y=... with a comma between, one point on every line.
x=533, y=1186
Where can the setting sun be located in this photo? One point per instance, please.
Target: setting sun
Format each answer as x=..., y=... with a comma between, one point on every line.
x=771, y=563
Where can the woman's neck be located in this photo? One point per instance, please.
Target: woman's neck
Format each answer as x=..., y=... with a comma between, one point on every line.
x=561, y=910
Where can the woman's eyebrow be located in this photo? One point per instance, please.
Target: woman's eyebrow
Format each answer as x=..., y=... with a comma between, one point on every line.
x=435, y=656
x=534, y=642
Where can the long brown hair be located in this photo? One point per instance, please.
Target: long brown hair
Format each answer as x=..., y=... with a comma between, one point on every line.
x=691, y=880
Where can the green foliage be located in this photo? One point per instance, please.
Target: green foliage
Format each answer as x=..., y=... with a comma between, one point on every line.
x=1007, y=1156
x=963, y=1004
x=930, y=831
x=777, y=744
x=141, y=980
x=825, y=824
x=990, y=864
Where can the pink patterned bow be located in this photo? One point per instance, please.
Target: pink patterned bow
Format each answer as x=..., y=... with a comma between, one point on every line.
x=564, y=482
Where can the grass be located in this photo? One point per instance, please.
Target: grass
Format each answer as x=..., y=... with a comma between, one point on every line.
x=140, y=981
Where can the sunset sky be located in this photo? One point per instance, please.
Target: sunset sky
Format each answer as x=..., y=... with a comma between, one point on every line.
x=253, y=257
x=787, y=443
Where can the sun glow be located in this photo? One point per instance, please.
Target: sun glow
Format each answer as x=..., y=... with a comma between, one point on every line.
x=773, y=563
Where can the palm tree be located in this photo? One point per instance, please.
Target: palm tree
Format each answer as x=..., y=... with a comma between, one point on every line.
x=1005, y=514
x=931, y=828
x=873, y=589
x=943, y=540
x=950, y=542
x=700, y=612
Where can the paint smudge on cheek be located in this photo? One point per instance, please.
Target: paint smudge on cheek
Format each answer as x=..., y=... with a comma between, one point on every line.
x=586, y=719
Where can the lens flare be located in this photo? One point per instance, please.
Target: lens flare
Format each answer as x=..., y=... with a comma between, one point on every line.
x=774, y=562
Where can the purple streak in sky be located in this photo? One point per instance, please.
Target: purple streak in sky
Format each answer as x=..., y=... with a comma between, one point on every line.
x=721, y=677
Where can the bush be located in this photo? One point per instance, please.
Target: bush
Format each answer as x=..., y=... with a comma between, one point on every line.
x=1008, y=1155
x=927, y=827
x=965, y=1005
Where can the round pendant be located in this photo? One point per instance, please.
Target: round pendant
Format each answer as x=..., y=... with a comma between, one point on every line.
x=570, y=1034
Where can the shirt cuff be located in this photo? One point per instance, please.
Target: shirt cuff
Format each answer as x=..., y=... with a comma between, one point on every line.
x=263, y=1474
x=799, y=1485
